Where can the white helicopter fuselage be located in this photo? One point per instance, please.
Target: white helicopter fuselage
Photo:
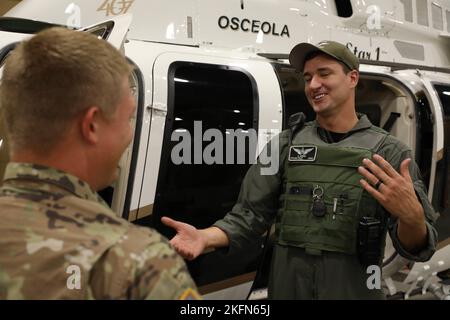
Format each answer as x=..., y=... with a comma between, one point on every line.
x=203, y=60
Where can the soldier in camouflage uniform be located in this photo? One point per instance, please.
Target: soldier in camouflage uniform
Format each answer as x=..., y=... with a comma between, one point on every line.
x=67, y=105
x=317, y=198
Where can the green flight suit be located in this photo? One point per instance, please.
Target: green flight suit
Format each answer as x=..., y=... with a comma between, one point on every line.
x=296, y=274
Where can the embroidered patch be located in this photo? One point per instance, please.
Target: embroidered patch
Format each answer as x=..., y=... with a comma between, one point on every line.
x=303, y=153
x=190, y=294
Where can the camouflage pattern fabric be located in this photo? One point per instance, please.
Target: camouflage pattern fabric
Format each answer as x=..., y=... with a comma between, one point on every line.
x=60, y=240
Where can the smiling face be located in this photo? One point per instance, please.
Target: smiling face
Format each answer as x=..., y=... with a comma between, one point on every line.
x=327, y=87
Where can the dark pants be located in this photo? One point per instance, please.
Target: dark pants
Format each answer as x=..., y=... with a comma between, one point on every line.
x=298, y=275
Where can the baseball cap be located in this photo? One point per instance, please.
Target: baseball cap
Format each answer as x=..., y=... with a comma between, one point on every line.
x=331, y=48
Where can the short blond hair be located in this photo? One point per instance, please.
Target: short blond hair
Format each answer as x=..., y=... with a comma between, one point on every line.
x=53, y=77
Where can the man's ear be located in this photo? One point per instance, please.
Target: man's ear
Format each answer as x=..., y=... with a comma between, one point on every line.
x=90, y=125
x=354, y=78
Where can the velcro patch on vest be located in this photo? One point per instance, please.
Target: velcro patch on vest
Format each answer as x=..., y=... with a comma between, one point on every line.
x=302, y=153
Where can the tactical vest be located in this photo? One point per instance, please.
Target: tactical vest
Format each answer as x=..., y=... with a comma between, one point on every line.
x=323, y=200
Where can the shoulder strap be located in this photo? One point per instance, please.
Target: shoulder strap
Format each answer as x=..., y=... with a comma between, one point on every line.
x=295, y=123
x=381, y=141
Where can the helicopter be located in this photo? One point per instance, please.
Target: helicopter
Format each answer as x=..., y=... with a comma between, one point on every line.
x=203, y=65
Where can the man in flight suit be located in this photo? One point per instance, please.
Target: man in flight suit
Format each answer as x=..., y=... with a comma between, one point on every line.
x=66, y=100
x=341, y=181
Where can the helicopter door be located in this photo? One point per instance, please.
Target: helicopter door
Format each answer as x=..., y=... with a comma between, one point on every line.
x=440, y=106
x=4, y=149
x=441, y=194
x=201, y=102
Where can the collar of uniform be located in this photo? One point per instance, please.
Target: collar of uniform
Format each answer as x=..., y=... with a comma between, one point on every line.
x=363, y=123
x=16, y=171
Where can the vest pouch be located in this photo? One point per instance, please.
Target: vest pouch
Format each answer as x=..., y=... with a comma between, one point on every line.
x=297, y=202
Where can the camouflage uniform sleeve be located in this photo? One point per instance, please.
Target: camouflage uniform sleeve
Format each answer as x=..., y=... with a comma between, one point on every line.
x=395, y=152
x=142, y=265
x=258, y=199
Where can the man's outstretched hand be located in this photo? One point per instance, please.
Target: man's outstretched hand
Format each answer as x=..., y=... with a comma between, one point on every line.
x=188, y=241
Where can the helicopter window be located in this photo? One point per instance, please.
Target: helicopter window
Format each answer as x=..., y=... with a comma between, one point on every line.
x=436, y=12
x=442, y=199
x=294, y=99
x=102, y=31
x=422, y=7
x=410, y=50
x=444, y=96
x=344, y=8
x=205, y=97
x=408, y=9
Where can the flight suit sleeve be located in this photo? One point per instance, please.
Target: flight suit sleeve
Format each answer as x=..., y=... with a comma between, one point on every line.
x=395, y=153
x=258, y=199
x=143, y=265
